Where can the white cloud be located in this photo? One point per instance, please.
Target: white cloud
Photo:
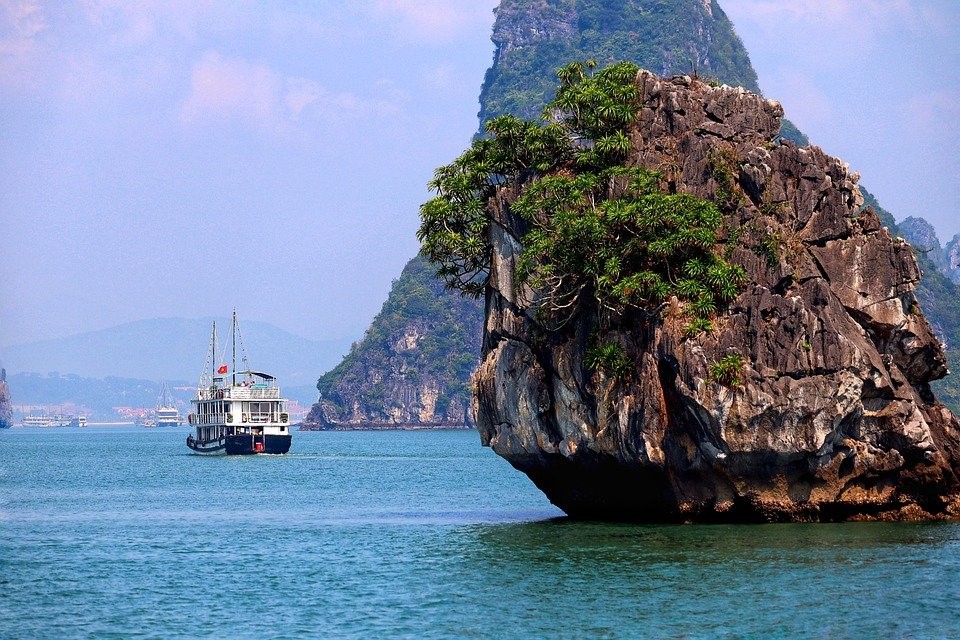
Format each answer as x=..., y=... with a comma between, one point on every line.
x=21, y=19
x=834, y=12
x=236, y=90
x=225, y=88
x=930, y=114
x=802, y=98
x=22, y=23
x=438, y=20
x=134, y=22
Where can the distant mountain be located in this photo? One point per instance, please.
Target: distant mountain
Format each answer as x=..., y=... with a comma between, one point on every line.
x=921, y=234
x=173, y=349
x=534, y=38
x=5, y=410
x=923, y=237
x=952, y=252
x=97, y=398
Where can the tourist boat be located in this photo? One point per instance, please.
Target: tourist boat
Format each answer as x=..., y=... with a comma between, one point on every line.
x=166, y=414
x=237, y=412
x=56, y=420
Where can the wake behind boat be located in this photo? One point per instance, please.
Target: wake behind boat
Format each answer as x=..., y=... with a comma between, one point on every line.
x=237, y=414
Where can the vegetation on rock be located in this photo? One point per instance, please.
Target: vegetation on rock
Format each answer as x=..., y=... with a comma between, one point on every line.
x=597, y=229
x=728, y=370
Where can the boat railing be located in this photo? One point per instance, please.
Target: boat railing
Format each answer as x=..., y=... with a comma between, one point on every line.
x=240, y=393
x=239, y=420
x=207, y=418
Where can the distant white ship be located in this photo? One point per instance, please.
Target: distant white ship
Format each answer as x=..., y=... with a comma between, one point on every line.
x=57, y=420
x=167, y=415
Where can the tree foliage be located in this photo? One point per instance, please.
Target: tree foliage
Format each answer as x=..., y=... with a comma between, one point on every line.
x=596, y=228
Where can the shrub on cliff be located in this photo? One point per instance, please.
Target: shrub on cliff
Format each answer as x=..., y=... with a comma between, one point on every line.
x=597, y=229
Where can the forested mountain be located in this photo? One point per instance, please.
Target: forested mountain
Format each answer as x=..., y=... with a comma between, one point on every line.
x=389, y=379
x=535, y=38
x=412, y=366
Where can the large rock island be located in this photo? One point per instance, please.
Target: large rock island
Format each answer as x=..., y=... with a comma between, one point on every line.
x=807, y=399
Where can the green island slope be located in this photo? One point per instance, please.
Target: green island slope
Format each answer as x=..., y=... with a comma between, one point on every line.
x=391, y=380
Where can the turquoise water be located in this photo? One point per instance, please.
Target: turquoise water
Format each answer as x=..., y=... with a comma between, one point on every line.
x=119, y=533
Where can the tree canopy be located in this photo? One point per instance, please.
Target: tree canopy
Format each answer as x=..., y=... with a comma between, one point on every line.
x=597, y=229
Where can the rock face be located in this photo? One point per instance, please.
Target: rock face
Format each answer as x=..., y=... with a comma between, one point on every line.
x=6, y=411
x=834, y=418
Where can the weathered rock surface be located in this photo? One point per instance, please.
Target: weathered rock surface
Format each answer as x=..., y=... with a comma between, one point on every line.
x=834, y=418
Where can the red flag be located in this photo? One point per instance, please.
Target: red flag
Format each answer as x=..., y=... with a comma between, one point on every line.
x=222, y=370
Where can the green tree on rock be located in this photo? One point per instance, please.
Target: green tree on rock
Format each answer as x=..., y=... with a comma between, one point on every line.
x=599, y=231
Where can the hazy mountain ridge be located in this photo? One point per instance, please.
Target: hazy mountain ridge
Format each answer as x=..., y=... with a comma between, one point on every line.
x=98, y=398
x=921, y=234
x=173, y=349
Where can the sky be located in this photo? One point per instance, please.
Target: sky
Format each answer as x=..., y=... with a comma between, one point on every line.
x=178, y=158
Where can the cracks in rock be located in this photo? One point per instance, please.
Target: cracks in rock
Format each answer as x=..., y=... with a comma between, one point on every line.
x=813, y=371
x=820, y=268
x=821, y=243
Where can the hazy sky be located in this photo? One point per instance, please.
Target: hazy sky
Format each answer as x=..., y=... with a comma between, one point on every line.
x=182, y=157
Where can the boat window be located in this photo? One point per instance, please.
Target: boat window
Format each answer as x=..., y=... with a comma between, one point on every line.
x=260, y=411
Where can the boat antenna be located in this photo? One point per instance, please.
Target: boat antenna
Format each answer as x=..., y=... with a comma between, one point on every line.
x=233, y=363
x=207, y=376
x=213, y=352
x=244, y=360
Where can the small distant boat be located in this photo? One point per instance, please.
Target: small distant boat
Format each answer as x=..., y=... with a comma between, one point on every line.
x=237, y=412
x=166, y=414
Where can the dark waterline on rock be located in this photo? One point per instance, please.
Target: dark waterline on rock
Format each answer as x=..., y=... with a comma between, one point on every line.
x=121, y=533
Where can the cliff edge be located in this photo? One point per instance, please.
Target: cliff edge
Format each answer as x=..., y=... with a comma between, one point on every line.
x=808, y=399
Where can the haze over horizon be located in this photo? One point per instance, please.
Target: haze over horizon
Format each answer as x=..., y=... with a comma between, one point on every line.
x=179, y=159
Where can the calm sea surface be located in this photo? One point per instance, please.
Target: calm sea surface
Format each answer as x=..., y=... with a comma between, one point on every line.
x=120, y=533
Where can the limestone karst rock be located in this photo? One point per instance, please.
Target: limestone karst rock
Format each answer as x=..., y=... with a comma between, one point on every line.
x=6, y=411
x=834, y=418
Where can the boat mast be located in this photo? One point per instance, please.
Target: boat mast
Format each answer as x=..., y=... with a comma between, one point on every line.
x=233, y=364
x=213, y=353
